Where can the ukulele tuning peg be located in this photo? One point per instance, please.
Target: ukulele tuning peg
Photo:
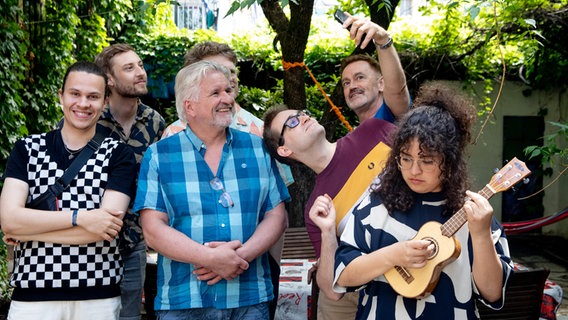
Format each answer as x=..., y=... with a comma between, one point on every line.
x=526, y=181
x=495, y=170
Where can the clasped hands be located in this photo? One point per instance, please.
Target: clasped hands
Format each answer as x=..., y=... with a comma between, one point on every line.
x=223, y=262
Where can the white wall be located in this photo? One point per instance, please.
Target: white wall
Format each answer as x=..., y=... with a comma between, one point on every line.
x=487, y=153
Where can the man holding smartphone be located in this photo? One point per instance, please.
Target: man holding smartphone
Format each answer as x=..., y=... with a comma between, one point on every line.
x=373, y=89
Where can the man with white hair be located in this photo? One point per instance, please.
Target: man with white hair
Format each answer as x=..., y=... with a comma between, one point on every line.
x=211, y=203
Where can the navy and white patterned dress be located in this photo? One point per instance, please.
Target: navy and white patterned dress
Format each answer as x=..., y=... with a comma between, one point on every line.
x=371, y=227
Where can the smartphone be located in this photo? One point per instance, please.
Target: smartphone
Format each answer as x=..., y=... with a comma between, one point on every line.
x=340, y=16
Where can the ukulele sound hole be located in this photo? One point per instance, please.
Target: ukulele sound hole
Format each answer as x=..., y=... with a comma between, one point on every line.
x=436, y=247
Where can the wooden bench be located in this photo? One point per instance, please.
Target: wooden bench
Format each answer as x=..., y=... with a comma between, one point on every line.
x=297, y=244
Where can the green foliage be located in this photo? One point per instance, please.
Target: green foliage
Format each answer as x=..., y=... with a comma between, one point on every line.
x=256, y=46
x=354, y=7
x=13, y=63
x=5, y=289
x=237, y=5
x=484, y=36
x=162, y=46
x=92, y=38
x=116, y=14
x=258, y=100
x=555, y=148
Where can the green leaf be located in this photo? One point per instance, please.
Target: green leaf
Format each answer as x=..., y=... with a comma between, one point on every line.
x=474, y=12
x=236, y=5
x=453, y=5
x=562, y=126
x=247, y=3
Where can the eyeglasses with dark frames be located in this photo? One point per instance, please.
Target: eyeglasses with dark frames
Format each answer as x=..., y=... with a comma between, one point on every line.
x=292, y=122
x=224, y=199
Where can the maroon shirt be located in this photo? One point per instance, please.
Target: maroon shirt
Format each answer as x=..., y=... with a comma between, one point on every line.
x=350, y=150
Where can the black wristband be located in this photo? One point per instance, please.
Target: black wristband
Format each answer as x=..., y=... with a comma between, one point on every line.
x=74, y=218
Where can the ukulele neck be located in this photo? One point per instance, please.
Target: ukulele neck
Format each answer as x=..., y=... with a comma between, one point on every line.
x=460, y=218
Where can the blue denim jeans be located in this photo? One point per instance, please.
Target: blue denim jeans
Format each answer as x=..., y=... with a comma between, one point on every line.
x=134, y=262
x=254, y=312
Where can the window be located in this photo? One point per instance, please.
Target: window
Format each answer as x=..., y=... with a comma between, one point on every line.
x=193, y=15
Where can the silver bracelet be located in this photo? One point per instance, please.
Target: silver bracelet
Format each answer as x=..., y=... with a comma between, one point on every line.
x=386, y=45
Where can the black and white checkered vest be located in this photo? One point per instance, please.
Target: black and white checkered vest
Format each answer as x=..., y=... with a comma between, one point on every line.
x=49, y=265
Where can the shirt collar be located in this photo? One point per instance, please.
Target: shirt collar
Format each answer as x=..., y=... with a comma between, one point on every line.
x=200, y=145
x=143, y=111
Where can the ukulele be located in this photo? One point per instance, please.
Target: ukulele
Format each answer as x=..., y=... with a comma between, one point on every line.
x=419, y=283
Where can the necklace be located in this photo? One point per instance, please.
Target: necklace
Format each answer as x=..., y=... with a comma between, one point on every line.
x=71, y=152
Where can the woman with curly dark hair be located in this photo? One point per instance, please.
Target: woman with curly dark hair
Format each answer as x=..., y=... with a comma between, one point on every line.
x=425, y=179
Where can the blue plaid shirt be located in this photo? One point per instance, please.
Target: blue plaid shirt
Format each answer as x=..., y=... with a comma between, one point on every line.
x=174, y=178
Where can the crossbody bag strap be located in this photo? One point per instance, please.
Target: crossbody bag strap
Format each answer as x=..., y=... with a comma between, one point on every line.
x=63, y=182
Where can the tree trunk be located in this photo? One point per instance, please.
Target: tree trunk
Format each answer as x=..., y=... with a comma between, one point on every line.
x=293, y=37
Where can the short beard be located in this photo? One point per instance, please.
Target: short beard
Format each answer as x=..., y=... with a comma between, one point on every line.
x=223, y=123
x=129, y=91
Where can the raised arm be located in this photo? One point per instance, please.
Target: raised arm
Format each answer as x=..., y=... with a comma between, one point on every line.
x=395, y=92
x=322, y=213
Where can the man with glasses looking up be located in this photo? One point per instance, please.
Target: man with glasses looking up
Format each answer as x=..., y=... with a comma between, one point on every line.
x=344, y=170
x=211, y=204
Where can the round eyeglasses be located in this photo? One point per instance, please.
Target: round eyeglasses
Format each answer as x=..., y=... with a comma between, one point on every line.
x=224, y=199
x=427, y=164
x=292, y=122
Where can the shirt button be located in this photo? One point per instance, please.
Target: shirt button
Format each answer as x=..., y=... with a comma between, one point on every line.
x=222, y=225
